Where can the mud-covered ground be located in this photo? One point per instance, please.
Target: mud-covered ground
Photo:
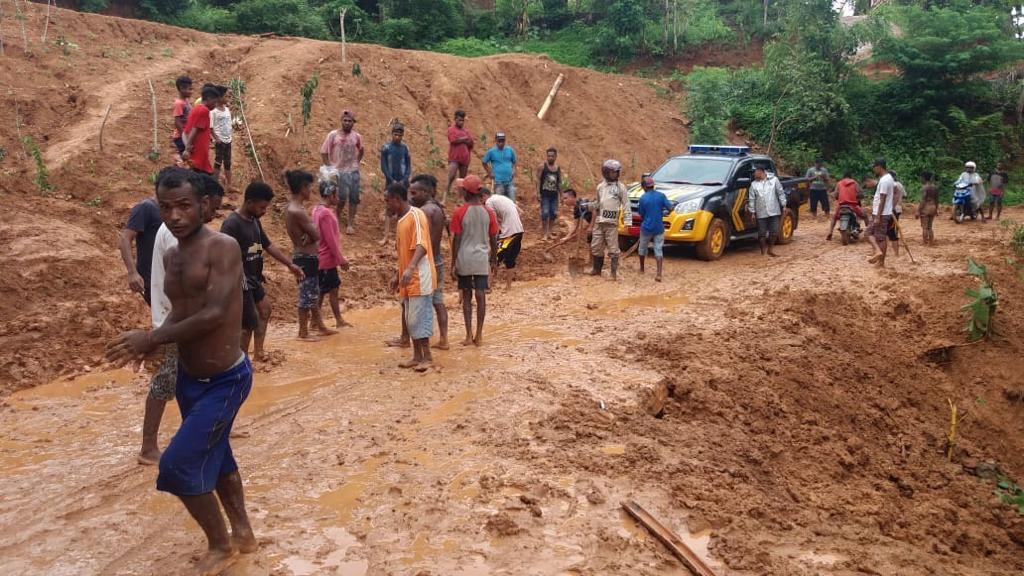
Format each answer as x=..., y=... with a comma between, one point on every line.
x=776, y=413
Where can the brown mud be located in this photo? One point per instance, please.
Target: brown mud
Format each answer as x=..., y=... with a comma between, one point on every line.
x=776, y=414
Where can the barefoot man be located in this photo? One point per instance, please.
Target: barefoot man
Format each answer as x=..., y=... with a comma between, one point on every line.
x=305, y=253
x=414, y=280
x=423, y=194
x=474, y=231
x=881, y=212
x=204, y=285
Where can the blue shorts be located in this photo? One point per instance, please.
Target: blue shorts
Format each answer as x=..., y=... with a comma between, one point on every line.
x=419, y=316
x=348, y=187
x=199, y=454
x=507, y=189
x=548, y=206
x=659, y=244
x=438, y=296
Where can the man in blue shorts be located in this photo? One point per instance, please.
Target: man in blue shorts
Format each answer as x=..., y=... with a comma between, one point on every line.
x=203, y=283
x=653, y=206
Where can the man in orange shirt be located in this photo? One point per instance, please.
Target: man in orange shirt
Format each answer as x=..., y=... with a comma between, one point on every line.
x=414, y=280
x=848, y=194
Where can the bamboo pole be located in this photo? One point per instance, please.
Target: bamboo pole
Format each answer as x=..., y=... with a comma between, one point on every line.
x=46, y=27
x=551, y=97
x=103, y=125
x=20, y=17
x=152, y=99
x=342, y=22
x=248, y=134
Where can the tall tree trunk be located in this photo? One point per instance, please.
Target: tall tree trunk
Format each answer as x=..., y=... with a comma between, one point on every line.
x=765, y=13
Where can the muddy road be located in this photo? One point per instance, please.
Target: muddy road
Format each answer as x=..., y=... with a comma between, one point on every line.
x=774, y=413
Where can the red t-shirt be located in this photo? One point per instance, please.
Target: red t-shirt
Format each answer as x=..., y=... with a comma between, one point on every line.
x=459, y=152
x=846, y=191
x=199, y=118
x=181, y=110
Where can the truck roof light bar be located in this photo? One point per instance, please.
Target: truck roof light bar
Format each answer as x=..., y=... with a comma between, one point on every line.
x=709, y=149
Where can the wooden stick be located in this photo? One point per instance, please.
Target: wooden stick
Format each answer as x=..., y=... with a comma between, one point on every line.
x=342, y=21
x=899, y=234
x=152, y=98
x=46, y=28
x=248, y=133
x=551, y=97
x=105, y=116
x=20, y=17
x=1, y=28
x=17, y=126
x=669, y=539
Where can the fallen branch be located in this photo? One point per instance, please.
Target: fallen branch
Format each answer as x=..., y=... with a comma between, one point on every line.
x=152, y=99
x=669, y=539
x=103, y=125
x=46, y=27
x=551, y=97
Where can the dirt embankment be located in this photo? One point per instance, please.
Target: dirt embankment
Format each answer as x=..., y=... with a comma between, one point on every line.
x=63, y=286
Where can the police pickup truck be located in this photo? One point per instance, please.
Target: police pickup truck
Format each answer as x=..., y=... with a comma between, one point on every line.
x=708, y=187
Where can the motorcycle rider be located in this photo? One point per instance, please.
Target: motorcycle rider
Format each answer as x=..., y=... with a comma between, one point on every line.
x=970, y=177
x=848, y=194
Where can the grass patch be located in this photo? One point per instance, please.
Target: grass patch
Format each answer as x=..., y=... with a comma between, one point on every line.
x=570, y=46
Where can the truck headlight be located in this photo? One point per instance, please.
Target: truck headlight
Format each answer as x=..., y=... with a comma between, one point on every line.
x=689, y=206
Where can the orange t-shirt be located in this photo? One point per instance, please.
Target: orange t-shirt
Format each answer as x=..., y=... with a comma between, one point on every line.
x=413, y=230
x=846, y=191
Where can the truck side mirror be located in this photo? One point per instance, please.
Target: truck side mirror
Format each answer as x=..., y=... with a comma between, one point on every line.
x=741, y=182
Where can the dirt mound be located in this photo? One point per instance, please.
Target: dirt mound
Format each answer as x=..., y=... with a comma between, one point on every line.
x=63, y=282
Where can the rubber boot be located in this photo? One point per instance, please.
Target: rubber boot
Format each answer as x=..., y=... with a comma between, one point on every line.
x=615, y=267
x=598, y=266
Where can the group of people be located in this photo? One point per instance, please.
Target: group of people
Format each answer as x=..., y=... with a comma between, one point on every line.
x=209, y=305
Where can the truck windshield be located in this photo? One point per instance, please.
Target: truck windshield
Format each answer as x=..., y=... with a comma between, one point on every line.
x=694, y=170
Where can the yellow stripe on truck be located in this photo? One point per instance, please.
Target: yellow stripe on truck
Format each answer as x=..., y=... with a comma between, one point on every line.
x=737, y=220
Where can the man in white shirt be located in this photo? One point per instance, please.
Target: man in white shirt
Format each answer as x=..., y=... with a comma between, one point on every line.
x=162, y=385
x=766, y=200
x=881, y=212
x=510, y=232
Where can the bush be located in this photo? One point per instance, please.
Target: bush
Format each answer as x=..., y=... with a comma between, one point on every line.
x=570, y=46
x=93, y=5
x=399, y=33
x=471, y=47
x=286, y=17
x=435, y=20
x=707, y=104
x=206, y=18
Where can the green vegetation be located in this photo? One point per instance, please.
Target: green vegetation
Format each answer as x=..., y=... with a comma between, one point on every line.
x=307, y=90
x=1010, y=493
x=981, y=310
x=42, y=178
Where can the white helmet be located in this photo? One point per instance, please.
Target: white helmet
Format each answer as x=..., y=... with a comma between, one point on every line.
x=611, y=165
x=971, y=165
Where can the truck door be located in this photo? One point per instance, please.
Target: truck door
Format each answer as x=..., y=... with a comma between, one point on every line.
x=739, y=186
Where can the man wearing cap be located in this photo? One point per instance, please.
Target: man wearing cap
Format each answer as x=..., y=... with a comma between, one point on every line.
x=652, y=207
x=766, y=200
x=500, y=163
x=611, y=198
x=881, y=212
x=343, y=149
x=396, y=166
x=474, y=231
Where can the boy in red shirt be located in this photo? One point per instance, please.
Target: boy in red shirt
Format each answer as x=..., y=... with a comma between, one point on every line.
x=197, y=132
x=460, y=144
x=847, y=194
x=329, y=251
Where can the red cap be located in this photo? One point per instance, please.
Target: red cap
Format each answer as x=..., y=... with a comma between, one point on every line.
x=647, y=181
x=470, y=184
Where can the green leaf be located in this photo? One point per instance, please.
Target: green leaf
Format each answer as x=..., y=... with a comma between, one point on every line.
x=975, y=269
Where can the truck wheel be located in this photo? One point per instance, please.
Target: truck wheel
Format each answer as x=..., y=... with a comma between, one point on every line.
x=786, y=228
x=713, y=245
x=626, y=242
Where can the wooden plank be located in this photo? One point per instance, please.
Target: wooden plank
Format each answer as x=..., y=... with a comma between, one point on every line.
x=551, y=97
x=668, y=538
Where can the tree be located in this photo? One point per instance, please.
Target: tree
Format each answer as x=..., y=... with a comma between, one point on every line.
x=288, y=17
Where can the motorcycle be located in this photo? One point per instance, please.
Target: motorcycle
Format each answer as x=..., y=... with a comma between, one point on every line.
x=849, y=225
x=963, y=204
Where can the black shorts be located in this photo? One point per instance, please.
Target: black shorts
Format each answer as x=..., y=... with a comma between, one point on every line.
x=819, y=197
x=222, y=155
x=477, y=282
x=179, y=144
x=329, y=280
x=892, y=233
x=508, y=249
x=250, y=316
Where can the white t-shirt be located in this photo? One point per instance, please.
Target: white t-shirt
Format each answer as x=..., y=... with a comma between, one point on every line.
x=220, y=121
x=508, y=215
x=897, y=200
x=160, y=304
x=886, y=186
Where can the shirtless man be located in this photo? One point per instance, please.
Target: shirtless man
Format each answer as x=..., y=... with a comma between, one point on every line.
x=305, y=244
x=423, y=194
x=204, y=285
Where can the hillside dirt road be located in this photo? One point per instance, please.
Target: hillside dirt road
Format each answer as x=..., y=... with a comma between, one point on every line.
x=777, y=414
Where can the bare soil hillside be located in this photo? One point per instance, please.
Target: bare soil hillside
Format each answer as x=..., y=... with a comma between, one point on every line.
x=60, y=275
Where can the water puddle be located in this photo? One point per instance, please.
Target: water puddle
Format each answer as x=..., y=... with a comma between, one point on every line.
x=698, y=542
x=650, y=301
x=72, y=388
x=810, y=557
x=448, y=409
x=344, y=500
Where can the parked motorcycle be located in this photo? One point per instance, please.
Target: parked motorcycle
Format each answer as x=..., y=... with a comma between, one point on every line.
x=849, y=225
x=963, y=204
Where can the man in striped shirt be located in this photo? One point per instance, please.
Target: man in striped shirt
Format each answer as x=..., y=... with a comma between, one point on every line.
x=414, y=280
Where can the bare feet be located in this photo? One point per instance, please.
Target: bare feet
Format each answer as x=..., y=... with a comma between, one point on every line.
x=350, y=230
x=325, y=331
x=308, y=338
x=412, y=363
x=468, y=341
x=397, y=343
x=383, y=242
x=874, y=258
x=148, y=457
x=479, y=340
x=423, y=366
x=260, y=356
x=215, y=561
x=342, y=323
x=772, y=254
x=657, y=278
x=245, y=543
x=441, y=345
